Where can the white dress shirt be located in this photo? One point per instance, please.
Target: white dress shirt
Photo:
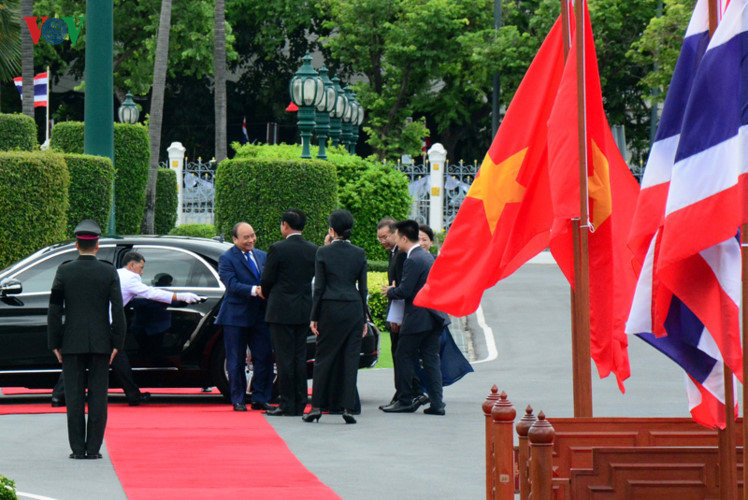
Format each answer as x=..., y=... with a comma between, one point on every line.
x=132, y=285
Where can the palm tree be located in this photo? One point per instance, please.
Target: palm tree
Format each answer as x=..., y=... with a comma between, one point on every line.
x=10, y=40
x=157, y=112
x=219, y=74
x=27, y=60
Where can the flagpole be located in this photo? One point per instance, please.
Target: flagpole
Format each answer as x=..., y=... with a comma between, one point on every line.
x=581, y=339
x=49, y=94
x=744, y=257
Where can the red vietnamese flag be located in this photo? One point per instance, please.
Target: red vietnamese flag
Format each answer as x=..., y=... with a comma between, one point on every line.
x=506, y=216
x=612, y=201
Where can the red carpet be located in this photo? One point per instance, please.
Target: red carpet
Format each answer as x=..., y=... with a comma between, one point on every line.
x=12, y=391
x=204, y=451
x=198, y=451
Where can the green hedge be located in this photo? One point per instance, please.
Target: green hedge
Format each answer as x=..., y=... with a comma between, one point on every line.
x=131, y=157
x=166, y=201
x=90, y=192
x=199, y=230
x=33, y=202
x=259, y=190
x=377, y=301
x=366, y=188
x=17, y=132
x=7, y=489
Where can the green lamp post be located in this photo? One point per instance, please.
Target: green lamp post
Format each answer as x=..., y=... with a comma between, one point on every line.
x=356, y=123
x=355, y=111
x=346, y=136
x=128, y=112
x=324, y=108
x=341, y=103
x=306, y=89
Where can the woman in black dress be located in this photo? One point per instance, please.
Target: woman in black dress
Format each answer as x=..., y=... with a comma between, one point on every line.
x=338, y=319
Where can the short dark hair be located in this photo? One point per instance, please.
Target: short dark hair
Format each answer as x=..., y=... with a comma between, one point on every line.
x=409, y=229
x=295, y=218
x=341, y=221
x=132, y=256
x=235, y=229
x=388, y=222
x=426, y=229
x=86, y=245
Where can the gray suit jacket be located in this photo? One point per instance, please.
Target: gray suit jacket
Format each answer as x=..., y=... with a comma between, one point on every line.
x=81, y=293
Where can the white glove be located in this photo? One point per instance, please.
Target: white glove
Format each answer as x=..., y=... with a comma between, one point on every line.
x=188, y=297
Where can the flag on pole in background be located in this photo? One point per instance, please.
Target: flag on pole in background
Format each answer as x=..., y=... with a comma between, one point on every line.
x=506, y=216
x=245, y=134
x=41, y=89
x=612, y=193
x=687, y=299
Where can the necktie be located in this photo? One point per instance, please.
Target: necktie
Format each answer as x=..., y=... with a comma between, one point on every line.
x=252, y=264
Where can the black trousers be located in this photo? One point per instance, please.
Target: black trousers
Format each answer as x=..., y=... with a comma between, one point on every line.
x=289, y=344
x=411, y=347
x=83, y=371
x=122, y=371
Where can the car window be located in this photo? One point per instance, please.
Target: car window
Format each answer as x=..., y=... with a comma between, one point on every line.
x=181, y=269
x=39, y=277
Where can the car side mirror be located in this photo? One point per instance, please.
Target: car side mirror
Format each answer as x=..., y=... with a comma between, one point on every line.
x=10, y=287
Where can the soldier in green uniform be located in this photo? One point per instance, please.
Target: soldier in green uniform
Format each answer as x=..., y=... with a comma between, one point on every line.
x=85, y=338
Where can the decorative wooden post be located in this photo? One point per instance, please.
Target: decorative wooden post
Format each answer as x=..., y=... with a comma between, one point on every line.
x=541, y=437
x=487, y=407
x=523, y=427
x=503, y=414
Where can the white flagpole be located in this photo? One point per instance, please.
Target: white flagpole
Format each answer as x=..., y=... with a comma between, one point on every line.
x=46, y=123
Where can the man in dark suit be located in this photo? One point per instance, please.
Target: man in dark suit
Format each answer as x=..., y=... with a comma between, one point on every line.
x=421, y=328
x=287, y=285
x=242, y=315
x=82, y=292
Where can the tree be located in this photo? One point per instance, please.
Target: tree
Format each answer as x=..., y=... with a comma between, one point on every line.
x=219, y=78
x=27, y=60
x=10, y=40
x=157, y=106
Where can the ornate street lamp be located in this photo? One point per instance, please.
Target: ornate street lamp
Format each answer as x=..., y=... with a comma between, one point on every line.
x=341, y=103
x=346, y=136
x=324, y=108
x=128, y=112
x=306, y=89
x=355, y=112
x=356, y=124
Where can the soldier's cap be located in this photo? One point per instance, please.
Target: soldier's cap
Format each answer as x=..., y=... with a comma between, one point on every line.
x=87, y=230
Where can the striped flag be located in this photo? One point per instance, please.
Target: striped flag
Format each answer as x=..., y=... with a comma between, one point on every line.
x=41, y=89
x=245, y=134
x=691, y=206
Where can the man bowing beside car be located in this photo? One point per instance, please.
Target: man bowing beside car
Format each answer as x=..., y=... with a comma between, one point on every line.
x=242, y=315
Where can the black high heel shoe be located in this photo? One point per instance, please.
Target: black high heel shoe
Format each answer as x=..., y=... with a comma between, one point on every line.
x=349, y=419
x=311, y=416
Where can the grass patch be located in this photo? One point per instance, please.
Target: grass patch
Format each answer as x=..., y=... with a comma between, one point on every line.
x=385, y=351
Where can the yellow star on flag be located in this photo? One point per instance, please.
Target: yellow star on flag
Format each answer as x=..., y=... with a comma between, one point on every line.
x=599, y=187
x=497, y=185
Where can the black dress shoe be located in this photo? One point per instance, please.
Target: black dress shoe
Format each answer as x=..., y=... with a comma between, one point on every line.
x=348, y=417
x=77, y=456
x=240, y=407
x=434, y=411
x=57, y=403
x=277, y=412
x=420, y=401
x=262, y=406
x=93, y=456
x=143, y=397
x=398, y=407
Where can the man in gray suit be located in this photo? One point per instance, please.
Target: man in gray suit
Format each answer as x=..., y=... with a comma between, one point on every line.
x=287, y=285
x=83, y=292
x=420, y=330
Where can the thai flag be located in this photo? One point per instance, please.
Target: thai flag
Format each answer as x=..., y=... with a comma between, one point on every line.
x=245, y=134
x=690, y=210
x=41, y=89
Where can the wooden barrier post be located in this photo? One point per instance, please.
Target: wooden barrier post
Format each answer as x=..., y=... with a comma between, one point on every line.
x=541, y=437
x=523, y=427
x=487, y=407
x=503, y=414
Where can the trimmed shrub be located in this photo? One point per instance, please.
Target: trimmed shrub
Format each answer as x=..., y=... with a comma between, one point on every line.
x=17, y=133
x=33, y=202
x=7, y=489
x=377, y=301
x=90, y=191
x=378, y=192
x=366, y=188
x=198, y=230
x=380, y=266
x=165, y=215
x=131, y=158
x=258, y=191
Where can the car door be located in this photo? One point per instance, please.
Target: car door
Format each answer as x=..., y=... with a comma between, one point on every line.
x=23, y=317
x=168, y=334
